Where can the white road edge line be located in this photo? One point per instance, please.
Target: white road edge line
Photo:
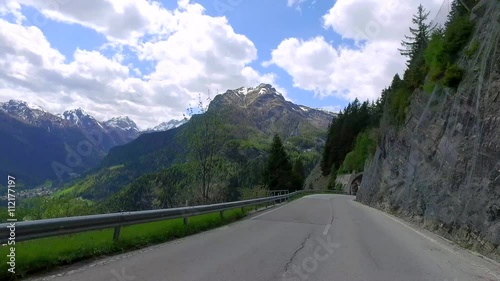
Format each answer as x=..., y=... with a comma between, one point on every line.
x=442, y=245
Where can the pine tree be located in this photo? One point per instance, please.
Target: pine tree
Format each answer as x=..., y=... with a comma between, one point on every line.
x=459, y=8
x=299, y=176
x=332, y=179
x=420, y=34
x=344, y=129
x=279, y=170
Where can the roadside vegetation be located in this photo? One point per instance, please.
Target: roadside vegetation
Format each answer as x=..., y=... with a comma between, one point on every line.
x=48, y=253
x=433, y=55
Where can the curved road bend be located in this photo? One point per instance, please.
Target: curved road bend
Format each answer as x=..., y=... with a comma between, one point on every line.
x=318, y=237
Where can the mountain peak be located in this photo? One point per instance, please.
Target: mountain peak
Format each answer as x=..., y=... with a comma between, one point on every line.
x=27, y=112
x=165, y=126
x=78, y=111
x=261, y=89
x=19, y=104
x=77, y=116
x=122, y=123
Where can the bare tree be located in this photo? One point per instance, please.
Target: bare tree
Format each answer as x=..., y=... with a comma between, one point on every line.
x=206, y=138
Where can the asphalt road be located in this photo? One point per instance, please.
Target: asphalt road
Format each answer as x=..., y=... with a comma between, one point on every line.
x=319, y=237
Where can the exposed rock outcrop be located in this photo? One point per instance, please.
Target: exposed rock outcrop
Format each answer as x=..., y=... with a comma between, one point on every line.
x=442, y=169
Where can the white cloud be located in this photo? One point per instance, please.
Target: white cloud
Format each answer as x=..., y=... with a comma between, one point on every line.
x=13, y=8
x=317, y=66
x=190, y=53
x=118, y=20
x=294, y=2
x=333, y=108
x=299, y=3
x=375, y=20
x=361, y=71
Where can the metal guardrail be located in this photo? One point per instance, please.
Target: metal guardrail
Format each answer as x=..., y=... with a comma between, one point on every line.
x=28, y=230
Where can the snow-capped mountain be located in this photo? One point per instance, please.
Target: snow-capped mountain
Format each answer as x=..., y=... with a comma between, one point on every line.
x=116, y=131
x=38, y=140
x=122, y=123
x=31, y=114
x=165, y=126
x=123, y=129
x=78, y=117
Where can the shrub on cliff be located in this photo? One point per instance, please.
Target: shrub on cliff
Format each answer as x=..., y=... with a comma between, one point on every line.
x=453, y=76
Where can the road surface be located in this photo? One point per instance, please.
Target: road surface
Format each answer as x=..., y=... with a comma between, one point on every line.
x=318, y=237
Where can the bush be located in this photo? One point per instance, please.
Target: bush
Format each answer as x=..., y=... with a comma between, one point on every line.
x=429, y=87
x=364, y=148
x=457, y=35
x=453, y=76
x=472, y=50
x=436, y=57
x=444, y=47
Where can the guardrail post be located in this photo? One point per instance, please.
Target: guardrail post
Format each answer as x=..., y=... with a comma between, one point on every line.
x=222, y=215
x=116, y=233
x=185, y=219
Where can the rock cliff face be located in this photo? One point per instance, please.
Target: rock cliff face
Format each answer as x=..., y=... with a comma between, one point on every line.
x=442, y=169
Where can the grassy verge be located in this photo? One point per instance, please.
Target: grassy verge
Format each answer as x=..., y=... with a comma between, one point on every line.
x=41, y=255
x=44, y=254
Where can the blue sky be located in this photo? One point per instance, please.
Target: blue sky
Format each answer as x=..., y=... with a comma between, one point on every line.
x=150, y=59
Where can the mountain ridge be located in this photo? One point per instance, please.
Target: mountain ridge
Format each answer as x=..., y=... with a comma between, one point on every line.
x=251, y=126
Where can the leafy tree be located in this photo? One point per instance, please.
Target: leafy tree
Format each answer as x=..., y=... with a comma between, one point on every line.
x=445, y=46
x=278, y=170
x=355, y=160
x=457, y=35
x=435, y=55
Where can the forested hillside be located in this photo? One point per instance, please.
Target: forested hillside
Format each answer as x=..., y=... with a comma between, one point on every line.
x=432, y=53
x=245, y=141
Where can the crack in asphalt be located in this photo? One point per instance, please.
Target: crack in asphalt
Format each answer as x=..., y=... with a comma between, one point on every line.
x=302, y=245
